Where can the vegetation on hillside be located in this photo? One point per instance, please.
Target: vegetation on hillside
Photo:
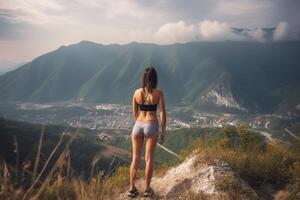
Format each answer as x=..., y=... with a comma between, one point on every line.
x=52, y=177
x=19, y=144
x=259, y=163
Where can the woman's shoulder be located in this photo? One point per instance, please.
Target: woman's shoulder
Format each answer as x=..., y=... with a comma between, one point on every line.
x=156, y=90
x=138, y=90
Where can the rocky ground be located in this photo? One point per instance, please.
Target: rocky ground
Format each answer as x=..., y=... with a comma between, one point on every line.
x=196, y=178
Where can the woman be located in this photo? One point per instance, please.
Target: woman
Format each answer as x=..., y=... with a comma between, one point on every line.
x=146, y=127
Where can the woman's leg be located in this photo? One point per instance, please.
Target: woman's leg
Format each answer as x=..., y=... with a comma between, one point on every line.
x=149, y=156
x=137, y=143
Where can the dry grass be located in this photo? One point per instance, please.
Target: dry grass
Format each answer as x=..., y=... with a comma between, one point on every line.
x=233, y=189
x=294, y=187
x=55, y=178
x=58, y=181
x=255, y=162
x=278, y=164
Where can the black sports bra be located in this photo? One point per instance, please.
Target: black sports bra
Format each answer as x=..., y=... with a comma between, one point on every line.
x=147, y=107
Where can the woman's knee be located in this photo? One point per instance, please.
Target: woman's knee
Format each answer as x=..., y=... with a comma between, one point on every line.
x=136, y=159
x=149, y=160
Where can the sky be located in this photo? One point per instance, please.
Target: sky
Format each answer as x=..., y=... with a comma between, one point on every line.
x=29, y=28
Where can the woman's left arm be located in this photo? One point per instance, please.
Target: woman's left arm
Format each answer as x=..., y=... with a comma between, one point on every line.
x=135, y=109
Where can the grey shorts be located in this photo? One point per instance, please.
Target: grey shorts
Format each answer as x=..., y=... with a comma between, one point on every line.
x=147, y=129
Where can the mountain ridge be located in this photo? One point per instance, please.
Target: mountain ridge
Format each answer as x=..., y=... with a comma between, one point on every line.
x=255, y=73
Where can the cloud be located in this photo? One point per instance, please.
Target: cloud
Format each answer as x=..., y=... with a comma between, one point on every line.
x=10, y=29
x=202, y=31
x=49, y=24
x=257, y=34
x=206, y=30
x=176, y=32
x=215, y=31
x=34, y=12
x=97, y=19
x=281, y=31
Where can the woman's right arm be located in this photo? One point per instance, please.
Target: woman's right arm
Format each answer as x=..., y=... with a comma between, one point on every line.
x=163, y=117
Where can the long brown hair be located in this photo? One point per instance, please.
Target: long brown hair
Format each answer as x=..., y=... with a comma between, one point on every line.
x=149, y=79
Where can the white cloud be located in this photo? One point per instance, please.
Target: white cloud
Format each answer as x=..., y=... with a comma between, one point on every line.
x=257, y=35
x=206, y=30
x=215, y=31
x=176, y=32
x=281, y=31
x=211, y=30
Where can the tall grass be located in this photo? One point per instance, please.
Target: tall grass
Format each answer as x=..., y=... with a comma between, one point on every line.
x=37, y=160
x=55, y=178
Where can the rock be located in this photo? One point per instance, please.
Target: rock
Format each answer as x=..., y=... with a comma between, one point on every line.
x=196, y=177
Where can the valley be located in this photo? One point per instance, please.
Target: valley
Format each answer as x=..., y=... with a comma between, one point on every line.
x=113, y=118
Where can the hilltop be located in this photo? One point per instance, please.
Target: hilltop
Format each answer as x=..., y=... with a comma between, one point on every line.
x=196, y=178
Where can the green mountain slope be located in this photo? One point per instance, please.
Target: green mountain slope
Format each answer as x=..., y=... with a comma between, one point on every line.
x=246, y=76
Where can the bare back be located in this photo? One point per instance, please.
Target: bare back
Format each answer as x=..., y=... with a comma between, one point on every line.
x=152, y=98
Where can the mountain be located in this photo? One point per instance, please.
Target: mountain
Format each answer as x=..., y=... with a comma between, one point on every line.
x=245, y=76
